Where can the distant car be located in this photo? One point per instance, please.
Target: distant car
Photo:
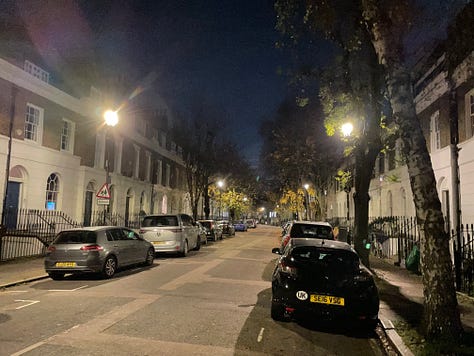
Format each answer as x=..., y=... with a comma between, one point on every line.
x=240, y=226
x=101, y=249
x=307, y=229
x=202, y=233
x=325, y=280
x=213, y=230
x=227, y=228
x=251, y=223
x=171, y=233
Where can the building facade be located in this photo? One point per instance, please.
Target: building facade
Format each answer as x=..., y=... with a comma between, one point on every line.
x=56, y=152
x=390, y=191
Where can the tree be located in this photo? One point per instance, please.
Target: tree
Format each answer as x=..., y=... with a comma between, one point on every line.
x=387, y=23
x=351, y=88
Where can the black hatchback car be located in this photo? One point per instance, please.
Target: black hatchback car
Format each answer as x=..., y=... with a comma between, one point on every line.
x=325, y=280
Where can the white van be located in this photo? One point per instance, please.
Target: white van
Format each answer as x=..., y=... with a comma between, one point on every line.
x=173, y=233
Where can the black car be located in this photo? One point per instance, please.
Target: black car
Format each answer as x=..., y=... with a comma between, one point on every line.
x=323, y=279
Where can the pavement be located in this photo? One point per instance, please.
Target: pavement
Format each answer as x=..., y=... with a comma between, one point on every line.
x=401, y=296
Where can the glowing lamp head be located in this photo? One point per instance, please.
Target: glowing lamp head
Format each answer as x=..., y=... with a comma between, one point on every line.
x=111, y=118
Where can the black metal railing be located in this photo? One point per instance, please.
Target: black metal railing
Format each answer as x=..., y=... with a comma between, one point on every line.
x=28, y=232
x=463, y=247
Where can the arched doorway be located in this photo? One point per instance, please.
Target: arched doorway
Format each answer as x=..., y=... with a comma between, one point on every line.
x=13, y=195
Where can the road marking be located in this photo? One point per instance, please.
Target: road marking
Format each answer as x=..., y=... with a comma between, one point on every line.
x=67, y=290
x=16, y=291
x=260, y=335
x=30, y=302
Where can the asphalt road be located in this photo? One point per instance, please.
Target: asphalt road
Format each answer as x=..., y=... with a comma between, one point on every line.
x=215, y=301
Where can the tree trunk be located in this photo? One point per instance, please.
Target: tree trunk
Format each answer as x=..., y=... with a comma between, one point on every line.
x=364, y=165
x=441, y=315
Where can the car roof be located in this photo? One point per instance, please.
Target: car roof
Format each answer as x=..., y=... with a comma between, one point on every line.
x=324, y=223
x=95, y=228
x=337, y=245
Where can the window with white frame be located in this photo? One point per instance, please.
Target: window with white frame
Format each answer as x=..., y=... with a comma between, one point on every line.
x=67, y=136
x=470, y=111
x=33, y=123
x=435, y=132
x=52, y=191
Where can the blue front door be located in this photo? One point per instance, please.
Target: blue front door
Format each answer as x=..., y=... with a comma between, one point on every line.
x=11, y=208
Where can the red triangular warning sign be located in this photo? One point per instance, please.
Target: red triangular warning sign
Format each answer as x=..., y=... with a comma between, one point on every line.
x=103, y=192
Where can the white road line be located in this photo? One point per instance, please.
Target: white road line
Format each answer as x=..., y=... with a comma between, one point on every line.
x=30, y=302
x=67, y=290
x=260, y=335
x=16, y=291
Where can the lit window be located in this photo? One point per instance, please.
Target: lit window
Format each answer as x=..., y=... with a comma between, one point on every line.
x=435, y=132
x=67, y=136
x=33, y=121
x=52, y=190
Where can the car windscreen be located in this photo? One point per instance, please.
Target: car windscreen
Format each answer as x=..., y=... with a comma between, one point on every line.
x=311, y=231
x=166, y=220
x=206, y=224
x=76, y=237
x=329, y=258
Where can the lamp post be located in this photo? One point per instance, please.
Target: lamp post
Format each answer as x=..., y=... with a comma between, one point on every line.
x=111, y=119
x=220, y=185
x=306, y=195
x=346, y=129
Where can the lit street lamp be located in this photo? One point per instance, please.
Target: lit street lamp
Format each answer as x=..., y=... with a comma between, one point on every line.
x=306, y=196
x=220, y=185
x=111, y=119
x=347, y=129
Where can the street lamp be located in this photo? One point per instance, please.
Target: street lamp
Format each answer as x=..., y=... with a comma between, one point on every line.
x=220, y=185
x=347, y=129
x=306, y=196
x=111, y=119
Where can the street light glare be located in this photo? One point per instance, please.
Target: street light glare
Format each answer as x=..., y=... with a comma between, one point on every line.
x=220, y=184
x=347, y=129
x=111, y=118
x=306, y=186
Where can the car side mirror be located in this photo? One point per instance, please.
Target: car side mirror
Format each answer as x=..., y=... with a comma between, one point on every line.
x=276, y=250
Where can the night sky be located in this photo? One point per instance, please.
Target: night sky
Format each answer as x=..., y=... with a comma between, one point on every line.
x=221, y=52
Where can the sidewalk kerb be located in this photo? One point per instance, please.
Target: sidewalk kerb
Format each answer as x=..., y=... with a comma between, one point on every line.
x=26, y=280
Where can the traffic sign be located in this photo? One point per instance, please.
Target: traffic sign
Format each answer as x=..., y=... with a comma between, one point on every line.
x=103, y=192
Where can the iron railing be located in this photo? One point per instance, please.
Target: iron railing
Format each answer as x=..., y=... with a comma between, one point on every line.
x=28, y=232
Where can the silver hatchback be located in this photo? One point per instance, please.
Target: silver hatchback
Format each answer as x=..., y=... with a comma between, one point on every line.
x=100, y=249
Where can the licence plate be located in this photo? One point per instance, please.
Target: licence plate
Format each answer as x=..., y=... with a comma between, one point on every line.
x=158, y=242
x=327, y=299
x=65, y=264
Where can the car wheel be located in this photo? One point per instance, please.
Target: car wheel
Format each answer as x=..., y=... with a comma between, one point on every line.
x=198, y=244
x=150, y=257
x=185, y=249
x=110, y=266
x=57, y=276
x=278, y=312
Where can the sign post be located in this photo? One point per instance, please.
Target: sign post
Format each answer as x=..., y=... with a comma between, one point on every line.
x=103, y=197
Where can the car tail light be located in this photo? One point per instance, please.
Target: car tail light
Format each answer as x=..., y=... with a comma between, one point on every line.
x=177, y=230
x=142, y=231
x=92, y=248
x=287, y=268
x=285, y=240
x=51, y=249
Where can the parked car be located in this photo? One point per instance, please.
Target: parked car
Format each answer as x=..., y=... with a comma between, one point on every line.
x=325, y=280
x=240, y=226
x=227, y=228
x=202, y=233
x=172, y=233
x=100, y=249
x=251, y=223
x=307, y=229
x=213, y=230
